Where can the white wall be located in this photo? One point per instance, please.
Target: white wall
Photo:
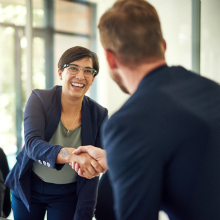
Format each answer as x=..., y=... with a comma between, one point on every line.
x=109, y=94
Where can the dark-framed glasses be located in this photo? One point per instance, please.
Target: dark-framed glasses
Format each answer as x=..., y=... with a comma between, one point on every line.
x=74, y=69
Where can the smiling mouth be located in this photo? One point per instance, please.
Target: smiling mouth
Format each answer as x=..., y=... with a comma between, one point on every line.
x=80, y=85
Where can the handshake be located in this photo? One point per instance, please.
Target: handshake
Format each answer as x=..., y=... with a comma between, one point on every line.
x=88, y=161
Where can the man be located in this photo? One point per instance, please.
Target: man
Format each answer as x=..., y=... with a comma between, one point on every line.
x=163, y=145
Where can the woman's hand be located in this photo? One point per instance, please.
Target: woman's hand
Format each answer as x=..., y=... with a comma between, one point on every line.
x=88, y=165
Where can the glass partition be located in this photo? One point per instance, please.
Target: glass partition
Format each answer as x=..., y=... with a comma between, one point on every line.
x=57, y=25
x=7, y=91
x=72, y=17
x=13, y=12
x=38, y=13
x=210, y=35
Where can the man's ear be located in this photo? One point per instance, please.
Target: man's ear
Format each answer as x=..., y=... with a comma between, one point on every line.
x=111, y=59
x=164, y=45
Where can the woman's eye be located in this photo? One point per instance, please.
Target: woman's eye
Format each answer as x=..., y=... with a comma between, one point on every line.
x=88, y=71
x=73, y=69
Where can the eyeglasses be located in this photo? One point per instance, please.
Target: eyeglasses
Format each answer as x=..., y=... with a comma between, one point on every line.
x=74, y=70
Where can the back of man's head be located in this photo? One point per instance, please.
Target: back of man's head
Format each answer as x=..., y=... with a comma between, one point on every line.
x=131, y=30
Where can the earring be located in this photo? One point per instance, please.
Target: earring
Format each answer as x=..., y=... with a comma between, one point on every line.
x=60, y=78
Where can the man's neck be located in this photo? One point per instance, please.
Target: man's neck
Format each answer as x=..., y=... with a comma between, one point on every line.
x=133, y=76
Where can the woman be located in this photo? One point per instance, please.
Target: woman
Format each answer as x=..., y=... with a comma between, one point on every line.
x=55, y=122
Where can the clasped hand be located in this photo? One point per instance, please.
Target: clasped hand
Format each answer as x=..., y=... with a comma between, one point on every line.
x=89, y=161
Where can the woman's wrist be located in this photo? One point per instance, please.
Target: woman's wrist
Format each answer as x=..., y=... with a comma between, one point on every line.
x=72, y=156
x=65, y=155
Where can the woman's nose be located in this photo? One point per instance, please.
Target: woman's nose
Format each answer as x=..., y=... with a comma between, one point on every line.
x=80, y=74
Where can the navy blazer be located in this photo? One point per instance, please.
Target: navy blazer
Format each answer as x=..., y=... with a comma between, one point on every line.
x=163, y=148
x=5, y=170
x=41, y=118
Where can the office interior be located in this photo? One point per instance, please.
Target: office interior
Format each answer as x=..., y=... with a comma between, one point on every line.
x=35, y=33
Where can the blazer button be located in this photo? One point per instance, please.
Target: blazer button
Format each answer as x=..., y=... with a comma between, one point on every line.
x=48, y=164
x=39, y=161
x=44, y=163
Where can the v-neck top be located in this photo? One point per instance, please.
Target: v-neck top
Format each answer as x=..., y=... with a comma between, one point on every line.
x=66, y=174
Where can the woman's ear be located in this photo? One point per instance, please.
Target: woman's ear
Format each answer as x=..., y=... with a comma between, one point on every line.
x=60, y=73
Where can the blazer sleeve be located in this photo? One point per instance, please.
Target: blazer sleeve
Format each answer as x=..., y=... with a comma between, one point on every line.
x=87, y=197
x=34, y=131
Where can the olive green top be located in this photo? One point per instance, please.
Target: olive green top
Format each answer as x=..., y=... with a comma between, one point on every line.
x=66, y=174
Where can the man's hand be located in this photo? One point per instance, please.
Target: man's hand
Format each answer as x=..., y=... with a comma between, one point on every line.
x=89, y=167
x=96, y=153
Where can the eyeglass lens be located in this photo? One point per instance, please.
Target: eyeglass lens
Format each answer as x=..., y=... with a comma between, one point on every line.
x=75, y=70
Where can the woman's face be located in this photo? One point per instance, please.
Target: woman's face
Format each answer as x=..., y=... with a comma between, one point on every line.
x=76, y=86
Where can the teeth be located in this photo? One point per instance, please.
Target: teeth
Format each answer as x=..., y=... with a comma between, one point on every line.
x=77, y=84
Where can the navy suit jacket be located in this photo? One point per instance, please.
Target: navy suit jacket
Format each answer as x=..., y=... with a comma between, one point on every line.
x=41, y=118
x=163, y=148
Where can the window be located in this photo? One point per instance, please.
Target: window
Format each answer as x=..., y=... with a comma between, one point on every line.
x=57, y=26
x=210, y=35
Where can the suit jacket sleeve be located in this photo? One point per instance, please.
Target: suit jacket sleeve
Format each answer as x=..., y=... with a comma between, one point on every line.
x=34, y=130
x=87, y=196
x=134, y=167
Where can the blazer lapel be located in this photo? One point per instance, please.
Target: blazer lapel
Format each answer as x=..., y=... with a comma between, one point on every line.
x=54, y=116
x=86, y=127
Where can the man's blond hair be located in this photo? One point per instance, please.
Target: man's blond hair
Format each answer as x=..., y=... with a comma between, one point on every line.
x=131, y=30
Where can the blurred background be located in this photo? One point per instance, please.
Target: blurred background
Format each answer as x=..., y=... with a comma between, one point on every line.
x=35, y=33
